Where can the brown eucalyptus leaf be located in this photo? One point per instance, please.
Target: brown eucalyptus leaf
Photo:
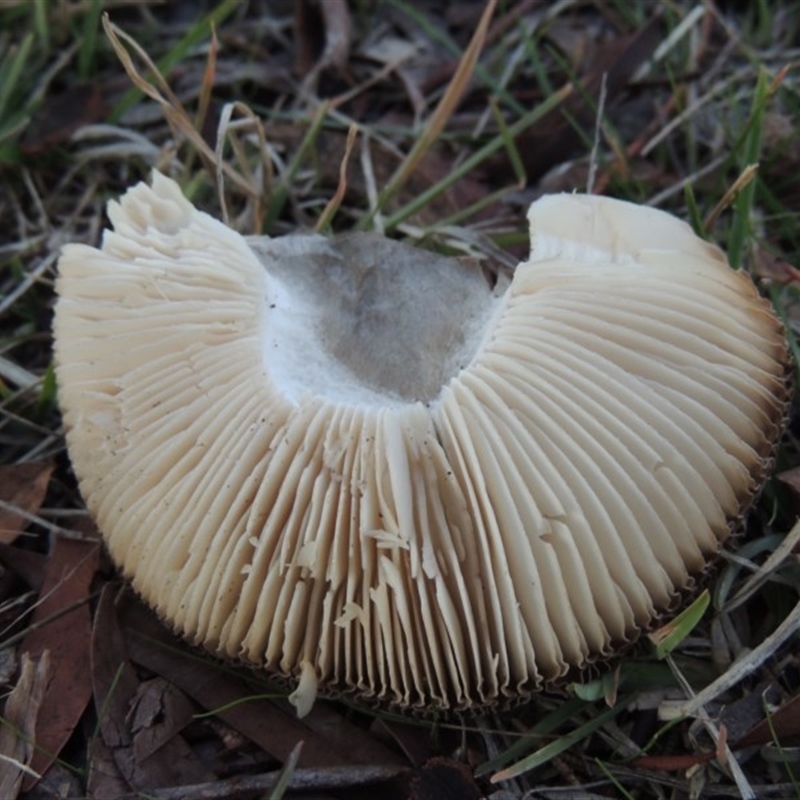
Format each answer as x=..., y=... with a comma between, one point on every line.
x=23, y=486
x=18, y=734
x=61, y=624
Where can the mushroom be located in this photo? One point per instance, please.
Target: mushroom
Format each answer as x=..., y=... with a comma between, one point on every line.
x=356, y=464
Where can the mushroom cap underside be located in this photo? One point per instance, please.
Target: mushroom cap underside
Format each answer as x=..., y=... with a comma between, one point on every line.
x=578, y=447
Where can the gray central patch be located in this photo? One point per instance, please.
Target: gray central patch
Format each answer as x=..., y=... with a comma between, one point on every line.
x=400, y=320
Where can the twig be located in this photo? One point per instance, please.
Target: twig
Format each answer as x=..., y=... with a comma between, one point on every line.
x=745, y=666
x=766, y=570
x=66, y=533
x=324, y=779
x=724, y=753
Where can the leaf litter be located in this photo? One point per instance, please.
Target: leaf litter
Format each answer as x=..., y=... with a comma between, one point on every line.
x=101, y=685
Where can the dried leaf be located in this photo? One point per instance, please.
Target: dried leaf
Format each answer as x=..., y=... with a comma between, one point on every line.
x=116, y=689
x=22, y=486
x=414, y=741
x=741, y=714
x=160, y=712
x=783, y=723
x=59, y=782
x=362, y=747
x=791, y=477
x=18, y=733
x=25, y=564
x=273, y=728
x=66, y=634
x=105, y=781
x=114, y=684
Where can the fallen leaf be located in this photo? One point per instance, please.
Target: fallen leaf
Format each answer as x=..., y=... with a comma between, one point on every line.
x=112, y=676
x=66, y=634
x=742, y=714
x=273, y=726
x=59, y=782
x=116, y=690
x=768, y=266
x=414, y=741
x=22, y=486
x=783, y=723
x=114, y=680
x=104, y=781
x=791, y=477
x=160, y=711
x=18, y=733
x=25, y=564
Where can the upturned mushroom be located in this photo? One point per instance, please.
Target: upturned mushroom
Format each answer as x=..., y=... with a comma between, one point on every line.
x=356, y=464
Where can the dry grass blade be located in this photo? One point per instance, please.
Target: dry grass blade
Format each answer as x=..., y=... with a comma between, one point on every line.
x=333, y=204
x=207, y=84
x=747, y=665
x=766, y=570
x=601, y=107
x=746, y=176
x=724, y=754
x=14, y=373
x=174, y=112
x=227, y=131
x=64, y=533
x=444, y=110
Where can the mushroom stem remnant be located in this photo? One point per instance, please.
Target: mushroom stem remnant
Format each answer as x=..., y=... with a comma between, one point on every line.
x=355, y=464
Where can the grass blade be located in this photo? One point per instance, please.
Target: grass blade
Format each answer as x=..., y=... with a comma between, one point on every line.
x=743, y=205
x=477, y=158
x=550, y=751
x=444, y=110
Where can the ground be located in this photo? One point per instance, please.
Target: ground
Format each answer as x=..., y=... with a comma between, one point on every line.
x=436, y=122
